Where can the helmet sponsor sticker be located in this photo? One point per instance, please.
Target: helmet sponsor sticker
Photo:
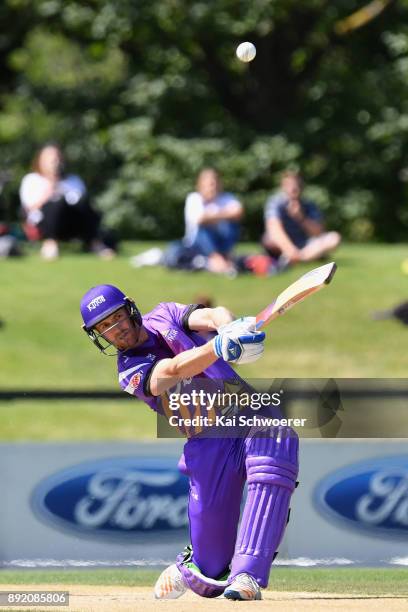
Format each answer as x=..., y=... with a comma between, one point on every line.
x=96, y=302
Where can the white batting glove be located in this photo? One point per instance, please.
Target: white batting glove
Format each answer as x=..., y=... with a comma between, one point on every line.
x=242, y=325
x=239, y=347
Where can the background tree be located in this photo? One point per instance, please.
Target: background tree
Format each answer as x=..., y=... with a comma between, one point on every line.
x=143, y=94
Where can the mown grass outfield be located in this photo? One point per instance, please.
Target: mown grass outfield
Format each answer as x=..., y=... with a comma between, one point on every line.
x=42, y=346
x=330, y=334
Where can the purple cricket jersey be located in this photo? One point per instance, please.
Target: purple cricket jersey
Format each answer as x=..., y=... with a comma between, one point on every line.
x=168, y=335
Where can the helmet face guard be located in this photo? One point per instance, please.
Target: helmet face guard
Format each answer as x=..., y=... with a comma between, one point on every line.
x=99, y=303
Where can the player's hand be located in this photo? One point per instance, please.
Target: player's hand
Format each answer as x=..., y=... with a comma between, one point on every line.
x=241, y=347
x=242, y=325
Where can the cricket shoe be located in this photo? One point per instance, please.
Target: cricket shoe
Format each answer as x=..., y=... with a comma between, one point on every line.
x=170, y=584
x=243, y=588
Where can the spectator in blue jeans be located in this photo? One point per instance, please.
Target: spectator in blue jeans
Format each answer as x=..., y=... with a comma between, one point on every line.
x=212, y=219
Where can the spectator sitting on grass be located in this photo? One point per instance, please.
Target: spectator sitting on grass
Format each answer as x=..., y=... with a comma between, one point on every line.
x=294, y=229
x=212, y=219
x=57, y=207
x=211, y=231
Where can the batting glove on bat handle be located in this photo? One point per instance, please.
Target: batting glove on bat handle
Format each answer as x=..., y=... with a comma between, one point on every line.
x=239, y=326
x=243, y=348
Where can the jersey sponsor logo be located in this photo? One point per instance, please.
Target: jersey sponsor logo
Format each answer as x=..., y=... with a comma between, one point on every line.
x=371, y=495
x=96, y=302
x=116, y=498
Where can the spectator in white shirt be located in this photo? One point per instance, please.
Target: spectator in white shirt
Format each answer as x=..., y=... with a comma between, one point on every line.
x=212, y=222
x=56, y=205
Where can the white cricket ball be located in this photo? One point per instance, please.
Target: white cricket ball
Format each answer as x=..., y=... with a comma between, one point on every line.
x=246, y=52
x=404, y=266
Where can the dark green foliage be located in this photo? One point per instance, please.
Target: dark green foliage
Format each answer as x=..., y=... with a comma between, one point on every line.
x=142, y=94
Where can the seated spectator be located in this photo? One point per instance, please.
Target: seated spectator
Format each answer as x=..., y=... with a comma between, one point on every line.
x=294, y=229
x=56, y=206
x=212, y=222
x=211, y=231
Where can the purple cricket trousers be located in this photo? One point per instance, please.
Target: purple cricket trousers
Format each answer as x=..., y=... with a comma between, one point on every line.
x=218, y=469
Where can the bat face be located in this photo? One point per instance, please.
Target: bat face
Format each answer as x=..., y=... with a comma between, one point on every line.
x=307, y=284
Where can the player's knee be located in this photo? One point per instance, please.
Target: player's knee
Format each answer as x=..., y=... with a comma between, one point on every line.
x=213, y=567
x=272, y=471
x=201, y=584
x=274, y=460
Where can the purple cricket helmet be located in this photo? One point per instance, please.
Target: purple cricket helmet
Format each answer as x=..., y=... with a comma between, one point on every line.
x=100, y=302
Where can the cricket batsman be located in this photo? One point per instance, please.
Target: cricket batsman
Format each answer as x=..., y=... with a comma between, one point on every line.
x=162, y=349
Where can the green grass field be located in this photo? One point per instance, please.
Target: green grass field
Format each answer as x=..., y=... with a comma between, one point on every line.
x=42, y=346
x=330, y=334
x=75, y=421
x=373, y=581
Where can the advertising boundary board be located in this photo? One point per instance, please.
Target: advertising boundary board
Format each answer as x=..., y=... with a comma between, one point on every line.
x=124, y=504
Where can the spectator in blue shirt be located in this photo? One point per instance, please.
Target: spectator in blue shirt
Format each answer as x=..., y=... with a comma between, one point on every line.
x=294, y=229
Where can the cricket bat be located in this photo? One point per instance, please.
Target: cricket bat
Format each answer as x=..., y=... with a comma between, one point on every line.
x=307, y=284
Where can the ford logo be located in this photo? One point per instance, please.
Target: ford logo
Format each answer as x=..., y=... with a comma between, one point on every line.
x=115, y=497
x=370, y=495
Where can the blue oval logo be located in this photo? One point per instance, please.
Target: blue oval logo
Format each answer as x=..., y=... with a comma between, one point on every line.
x=370, y=495
x=115, y=497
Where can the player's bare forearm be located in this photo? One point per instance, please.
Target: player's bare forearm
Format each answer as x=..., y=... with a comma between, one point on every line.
x=209, y=319
x=168, y=372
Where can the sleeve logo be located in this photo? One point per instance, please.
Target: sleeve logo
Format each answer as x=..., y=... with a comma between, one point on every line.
x=135, y=380
x=170, y=334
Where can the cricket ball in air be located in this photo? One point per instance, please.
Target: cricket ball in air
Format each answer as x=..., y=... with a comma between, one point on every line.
x=246, y=52
x=404, y=266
